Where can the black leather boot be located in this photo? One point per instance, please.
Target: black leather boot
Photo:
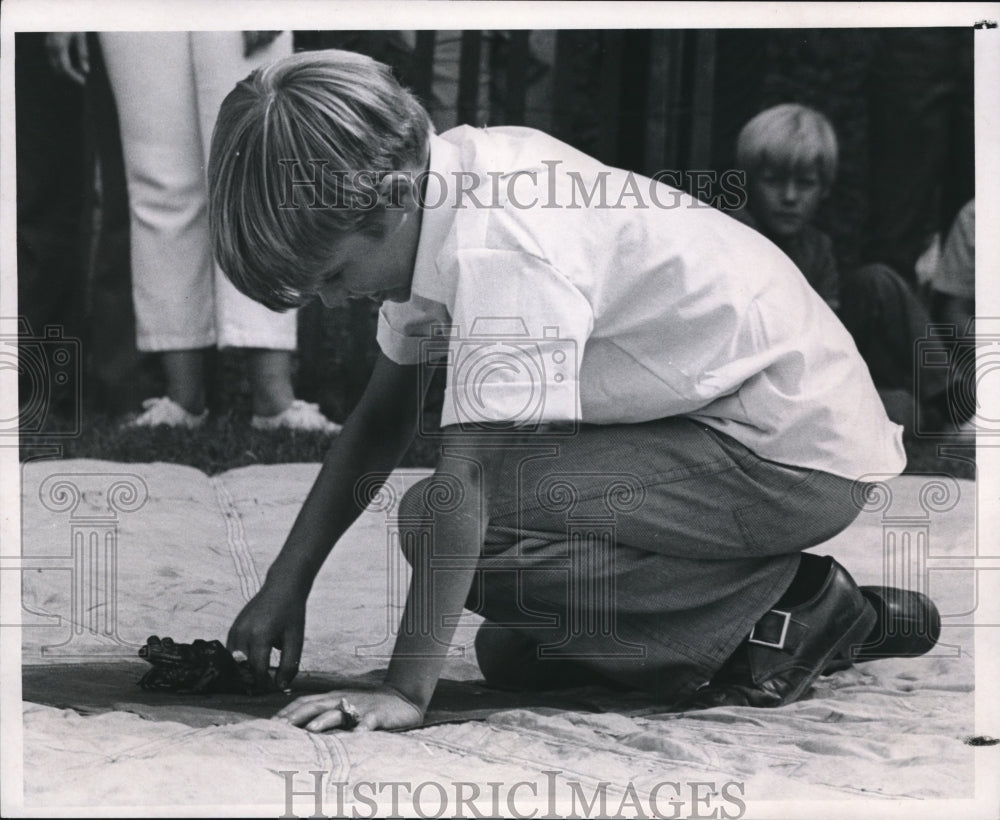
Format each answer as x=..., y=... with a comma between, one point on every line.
x=789, y=647
x=908, y=625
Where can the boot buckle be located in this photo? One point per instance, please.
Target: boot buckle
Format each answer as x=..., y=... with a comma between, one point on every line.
x=780, y=643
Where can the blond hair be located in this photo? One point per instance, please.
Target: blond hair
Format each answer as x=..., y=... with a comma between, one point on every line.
x=337, y=118
x=788, y=138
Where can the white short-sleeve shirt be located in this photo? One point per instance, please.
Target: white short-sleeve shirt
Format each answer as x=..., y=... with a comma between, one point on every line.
x=560, y=289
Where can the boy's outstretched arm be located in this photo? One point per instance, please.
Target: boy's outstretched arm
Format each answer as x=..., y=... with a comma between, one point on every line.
x=439, y=587
x=374, y=440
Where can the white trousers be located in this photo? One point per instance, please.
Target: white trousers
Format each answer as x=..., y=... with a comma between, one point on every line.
x=168, y=87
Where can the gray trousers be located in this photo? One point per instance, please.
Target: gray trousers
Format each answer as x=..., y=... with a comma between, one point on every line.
x=638, y=555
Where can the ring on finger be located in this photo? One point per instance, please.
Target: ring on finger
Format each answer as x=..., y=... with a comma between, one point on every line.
x=351, y=716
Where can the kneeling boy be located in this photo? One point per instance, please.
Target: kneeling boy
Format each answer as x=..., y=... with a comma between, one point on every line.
x=643, y=362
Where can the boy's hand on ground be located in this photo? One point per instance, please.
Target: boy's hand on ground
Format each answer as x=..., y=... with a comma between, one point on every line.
x=358, y=709
x=276, y=618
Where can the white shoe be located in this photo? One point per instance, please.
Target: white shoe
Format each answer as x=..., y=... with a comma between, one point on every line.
x=165, y=411
x=299, y=415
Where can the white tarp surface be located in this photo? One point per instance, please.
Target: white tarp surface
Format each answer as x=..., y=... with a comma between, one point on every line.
x=164, y=549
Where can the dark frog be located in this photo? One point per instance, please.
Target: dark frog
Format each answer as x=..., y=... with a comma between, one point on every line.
x=198, y=667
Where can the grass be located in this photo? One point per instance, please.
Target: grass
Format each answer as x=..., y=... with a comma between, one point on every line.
x=227, y=441
x=223, y=443
x=337, y=354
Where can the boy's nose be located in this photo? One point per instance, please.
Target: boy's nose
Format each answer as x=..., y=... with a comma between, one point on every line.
x=791, y=191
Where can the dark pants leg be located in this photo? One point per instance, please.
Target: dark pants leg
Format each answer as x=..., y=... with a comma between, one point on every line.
x=887, y=320
x=112, y=358
x=639, y=554
x=50, y=214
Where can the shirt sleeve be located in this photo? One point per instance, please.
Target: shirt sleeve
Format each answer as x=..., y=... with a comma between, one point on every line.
x=516, y=342
x=407, y=331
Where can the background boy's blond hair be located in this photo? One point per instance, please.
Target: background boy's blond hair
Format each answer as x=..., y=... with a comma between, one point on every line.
x=788, y=138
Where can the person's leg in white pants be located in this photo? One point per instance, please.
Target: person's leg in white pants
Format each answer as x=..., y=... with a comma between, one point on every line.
x=240, y=321
x=168, y=87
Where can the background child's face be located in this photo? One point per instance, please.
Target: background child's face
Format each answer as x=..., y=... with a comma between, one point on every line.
x=785, y=201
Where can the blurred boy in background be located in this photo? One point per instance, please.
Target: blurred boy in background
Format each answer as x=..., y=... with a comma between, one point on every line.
x=790, y=153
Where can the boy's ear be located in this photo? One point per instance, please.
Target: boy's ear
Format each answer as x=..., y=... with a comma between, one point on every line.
x=396, y=191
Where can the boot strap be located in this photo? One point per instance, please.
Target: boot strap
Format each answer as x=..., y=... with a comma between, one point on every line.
x=772, y=629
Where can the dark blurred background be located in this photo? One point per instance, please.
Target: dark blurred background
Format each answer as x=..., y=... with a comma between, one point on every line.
x=647, y=100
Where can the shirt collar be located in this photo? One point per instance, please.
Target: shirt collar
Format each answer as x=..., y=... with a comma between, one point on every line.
x=436, y=220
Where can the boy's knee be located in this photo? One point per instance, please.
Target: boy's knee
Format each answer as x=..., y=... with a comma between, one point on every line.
x=435, y=495
x=507, y=659
x=510, y=659
x=412, y=516
x=873, y=281
x=418, y=507
x=413, y=505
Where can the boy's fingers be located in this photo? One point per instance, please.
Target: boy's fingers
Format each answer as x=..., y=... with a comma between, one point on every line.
x=306, y=706
x=287, y=670
x=313, y=711
x=291, y=652
x=238, y=646
x=328, y=720
x=260, y=656
x=367, y=723
x=321, y=712
x=233, y=641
